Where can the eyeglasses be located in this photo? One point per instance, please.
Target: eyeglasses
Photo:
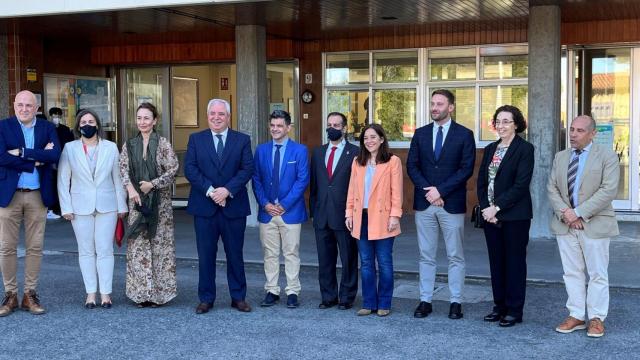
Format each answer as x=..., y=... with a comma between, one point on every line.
x=504, y=122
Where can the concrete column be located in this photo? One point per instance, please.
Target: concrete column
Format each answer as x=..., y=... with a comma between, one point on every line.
x=251, y=78
x=4, y=78
x=544, y=106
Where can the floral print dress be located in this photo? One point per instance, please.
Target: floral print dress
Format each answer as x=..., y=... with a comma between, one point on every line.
x=151, y=263
x=493, y=170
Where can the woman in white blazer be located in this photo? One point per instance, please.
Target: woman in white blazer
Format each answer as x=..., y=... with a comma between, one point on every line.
x=92, y=197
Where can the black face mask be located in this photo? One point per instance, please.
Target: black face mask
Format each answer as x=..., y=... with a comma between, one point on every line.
x=334, y=134
x=88, y=131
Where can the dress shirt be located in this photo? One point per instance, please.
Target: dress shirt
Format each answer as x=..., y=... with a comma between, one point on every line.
x=215, y=138
x=445, y=131
x=336, y=156
x=282, y=149
x=29, y=180
x=582, y=160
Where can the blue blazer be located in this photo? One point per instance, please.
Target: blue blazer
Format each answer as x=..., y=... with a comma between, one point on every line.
x=294, y=178
x=11, y=137
x=203, y=169
x=449, y=174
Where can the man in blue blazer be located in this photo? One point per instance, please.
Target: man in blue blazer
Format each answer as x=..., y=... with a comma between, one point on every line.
x=279, y=182
x=219, y=164
x=440, y=161
x=28, y=149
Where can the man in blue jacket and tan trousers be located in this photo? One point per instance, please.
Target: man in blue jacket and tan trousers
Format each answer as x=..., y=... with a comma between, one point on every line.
x=279, y=181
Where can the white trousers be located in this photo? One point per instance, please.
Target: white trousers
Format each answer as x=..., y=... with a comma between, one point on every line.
x=95, y=234
x=579, y=253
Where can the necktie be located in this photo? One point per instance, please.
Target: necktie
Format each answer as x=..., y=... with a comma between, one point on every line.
x=330, y=162
x=220, y=146
x=275, y=174
x=572, y=174
x=438, y=149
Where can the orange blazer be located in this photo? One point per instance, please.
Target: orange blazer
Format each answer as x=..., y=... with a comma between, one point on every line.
x=385, y=198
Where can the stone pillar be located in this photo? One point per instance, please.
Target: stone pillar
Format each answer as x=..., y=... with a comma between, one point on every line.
x=252, y=102
x=4, y=78
x=544, y=107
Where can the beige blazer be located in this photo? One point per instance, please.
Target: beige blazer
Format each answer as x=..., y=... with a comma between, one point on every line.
x=598, y=188
x=83, y=193
x=385, y=198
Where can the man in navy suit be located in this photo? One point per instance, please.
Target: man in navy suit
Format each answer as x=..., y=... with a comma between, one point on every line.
x=218, y=165
x=440, y=161
x=330, y=174
x=28, y=149
x=279, y=182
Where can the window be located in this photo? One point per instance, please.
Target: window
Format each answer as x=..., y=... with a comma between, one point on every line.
x=392, y=88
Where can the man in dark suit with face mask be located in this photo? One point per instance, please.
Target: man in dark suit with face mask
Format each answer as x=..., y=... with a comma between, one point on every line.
x=330, y=173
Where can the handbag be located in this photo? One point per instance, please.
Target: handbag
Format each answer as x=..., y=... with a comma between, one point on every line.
x=476, y=217
x=119, y=232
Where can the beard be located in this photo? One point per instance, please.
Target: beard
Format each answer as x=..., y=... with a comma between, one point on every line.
x=439, y=117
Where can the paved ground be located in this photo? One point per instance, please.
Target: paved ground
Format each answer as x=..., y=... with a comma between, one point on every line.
x=543, y=258
x=68, y=331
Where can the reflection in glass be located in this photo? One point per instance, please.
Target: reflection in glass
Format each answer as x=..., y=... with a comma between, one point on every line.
x=607, y=89
x=492, y=97
x=504, y=67
x=464, y=112
x=343, y=69
x=452, y=64
x=143, y=85
x=396, y=67
x=395, y=110
x=355, y=105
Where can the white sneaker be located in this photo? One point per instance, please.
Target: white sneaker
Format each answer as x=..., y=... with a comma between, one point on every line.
x=52, y=216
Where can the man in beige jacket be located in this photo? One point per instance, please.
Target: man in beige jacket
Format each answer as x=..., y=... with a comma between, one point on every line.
x=583, y=183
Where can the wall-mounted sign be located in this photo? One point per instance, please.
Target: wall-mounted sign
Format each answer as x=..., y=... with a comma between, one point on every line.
x=604, y=136
x=224, y=83
x=308, y=78
x=32, y=75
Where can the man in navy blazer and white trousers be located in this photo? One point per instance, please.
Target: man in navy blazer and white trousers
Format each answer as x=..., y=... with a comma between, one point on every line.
x=440, y=161
x=28, y=149
x=219, y=164
x=279, y=182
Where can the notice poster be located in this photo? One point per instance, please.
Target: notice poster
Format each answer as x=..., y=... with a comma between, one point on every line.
x=604, y=135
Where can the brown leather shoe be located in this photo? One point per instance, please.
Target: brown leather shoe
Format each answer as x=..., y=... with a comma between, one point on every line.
x=241, y=305
x=571, y=324
x=203, y=308
x=9, y=303
x=31, y=303
x=596, y=328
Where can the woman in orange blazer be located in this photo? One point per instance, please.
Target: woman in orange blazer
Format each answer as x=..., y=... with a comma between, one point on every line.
x=374, y=207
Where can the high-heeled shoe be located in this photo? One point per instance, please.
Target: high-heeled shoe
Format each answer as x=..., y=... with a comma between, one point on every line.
x=106, y=305
x=90, y=304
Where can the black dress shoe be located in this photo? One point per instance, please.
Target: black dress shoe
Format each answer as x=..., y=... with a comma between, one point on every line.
x=241, y=305
x=328, y=304
x=345, y=306
x=292, y=301
x=493, y=317
x=270, y=300
x=203, y=308
x=509, y=321
x=106, y=305
x=423, y=310
x=455, y=311
x=90, y=305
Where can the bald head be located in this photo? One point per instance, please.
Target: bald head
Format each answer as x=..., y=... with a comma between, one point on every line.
x=25, y=106
x=582, y=131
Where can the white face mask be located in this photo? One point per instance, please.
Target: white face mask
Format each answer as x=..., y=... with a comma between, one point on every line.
x=55, y=120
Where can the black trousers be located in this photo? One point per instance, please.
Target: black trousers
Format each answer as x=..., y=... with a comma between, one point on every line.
x=507, y=247
x=329, y=243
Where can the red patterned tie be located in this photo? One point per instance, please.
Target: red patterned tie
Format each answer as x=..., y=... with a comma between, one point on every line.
x=330, y=162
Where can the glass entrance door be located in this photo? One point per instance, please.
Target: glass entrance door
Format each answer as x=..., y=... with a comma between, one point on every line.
x=604, y=90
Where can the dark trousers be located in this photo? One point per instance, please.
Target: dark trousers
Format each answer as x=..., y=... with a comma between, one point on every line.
x=329, y=243
x=208, y=231
x=507, y=247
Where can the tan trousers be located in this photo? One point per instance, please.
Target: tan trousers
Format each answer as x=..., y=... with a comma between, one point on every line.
x=273, y=235
x=27, y=206
x=579, y=253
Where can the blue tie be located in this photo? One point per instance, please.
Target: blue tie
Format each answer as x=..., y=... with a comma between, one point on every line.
x=275, y=174
x=220, y=146
x=438, y=148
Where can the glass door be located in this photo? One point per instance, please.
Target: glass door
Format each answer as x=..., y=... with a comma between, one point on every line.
x=603, y=90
